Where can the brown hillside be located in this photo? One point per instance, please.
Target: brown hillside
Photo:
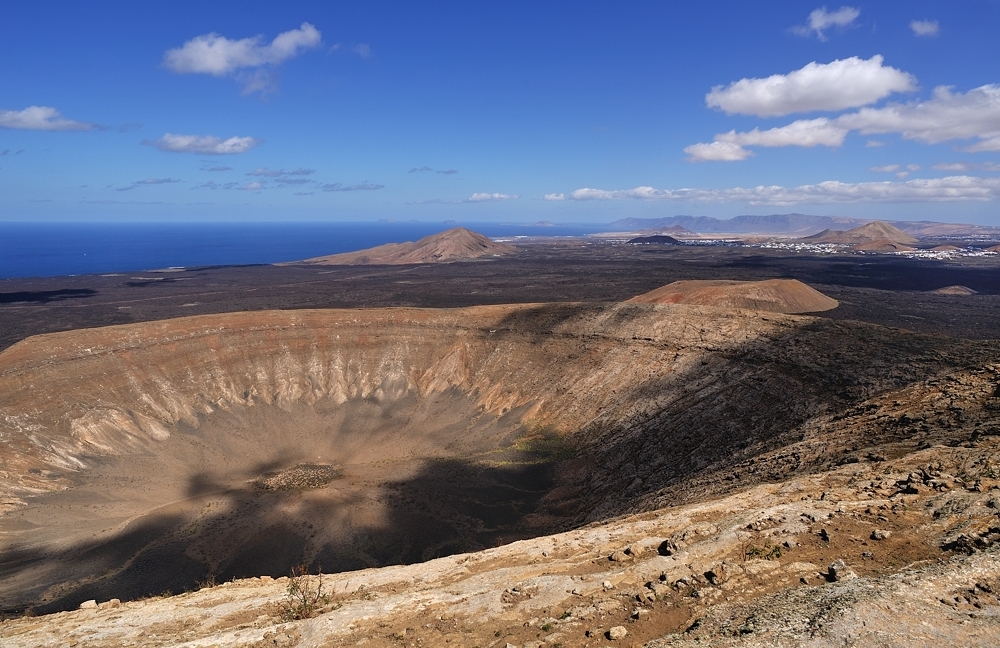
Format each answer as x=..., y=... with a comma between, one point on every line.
x=775, y=295
x=883, y=245
x=954, y=290
x=874, y=231
x=457, y=244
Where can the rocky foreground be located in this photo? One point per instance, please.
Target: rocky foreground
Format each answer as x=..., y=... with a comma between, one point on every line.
x=880, y=553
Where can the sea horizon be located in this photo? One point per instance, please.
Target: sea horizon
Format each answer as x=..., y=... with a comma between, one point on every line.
x=52, y=249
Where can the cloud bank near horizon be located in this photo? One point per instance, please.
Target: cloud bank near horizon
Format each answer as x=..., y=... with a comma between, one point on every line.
x=949, y=189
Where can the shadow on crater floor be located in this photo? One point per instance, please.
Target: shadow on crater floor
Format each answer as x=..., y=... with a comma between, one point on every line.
x=372, y=514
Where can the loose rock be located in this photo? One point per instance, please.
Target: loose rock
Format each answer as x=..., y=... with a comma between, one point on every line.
x=839, y=571
x=617, y=632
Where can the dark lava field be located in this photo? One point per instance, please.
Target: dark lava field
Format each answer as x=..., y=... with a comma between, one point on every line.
x=882, y=289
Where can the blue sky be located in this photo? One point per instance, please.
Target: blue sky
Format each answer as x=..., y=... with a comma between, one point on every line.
x=569, y=112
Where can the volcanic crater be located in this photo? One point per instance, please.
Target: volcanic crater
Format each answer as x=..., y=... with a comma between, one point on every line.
x=152, y=457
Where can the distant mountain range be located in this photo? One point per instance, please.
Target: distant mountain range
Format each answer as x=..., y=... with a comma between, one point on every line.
x=796, y=225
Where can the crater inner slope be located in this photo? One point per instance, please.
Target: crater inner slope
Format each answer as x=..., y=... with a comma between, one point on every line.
x=133, y=456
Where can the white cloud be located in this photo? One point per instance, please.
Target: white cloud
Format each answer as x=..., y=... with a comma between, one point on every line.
x=248, y=59
x=925, y=27
x=361, y=186
x=555, y=196
x=803, y=132
x=843, y=83
x=251, y=186
x=947, y=115
x=217, y=55
x=427, y=169
x=989, y=144
x=363, y=50
x=874, y=144
x=156, y=181
x=259, y=80
x=900, y=171
x=278, y=173
x=820, y=20
x=490, y=197
x=40, y=118
x=716, y=152
x=967, y=166
x=147, y=181
x=644, y=193
x=203, y=144
x=950, y=189
x=728, y=147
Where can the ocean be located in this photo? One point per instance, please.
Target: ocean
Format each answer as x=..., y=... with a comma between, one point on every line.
x=58, y=249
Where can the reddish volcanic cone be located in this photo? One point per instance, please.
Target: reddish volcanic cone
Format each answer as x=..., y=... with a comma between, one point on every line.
x=774, y=295
x=875, y=231
x=457, y=244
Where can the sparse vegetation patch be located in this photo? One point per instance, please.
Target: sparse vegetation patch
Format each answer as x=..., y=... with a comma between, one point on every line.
x=297, y=478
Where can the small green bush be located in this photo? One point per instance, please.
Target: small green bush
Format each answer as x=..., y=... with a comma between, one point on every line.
x=305, y=595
